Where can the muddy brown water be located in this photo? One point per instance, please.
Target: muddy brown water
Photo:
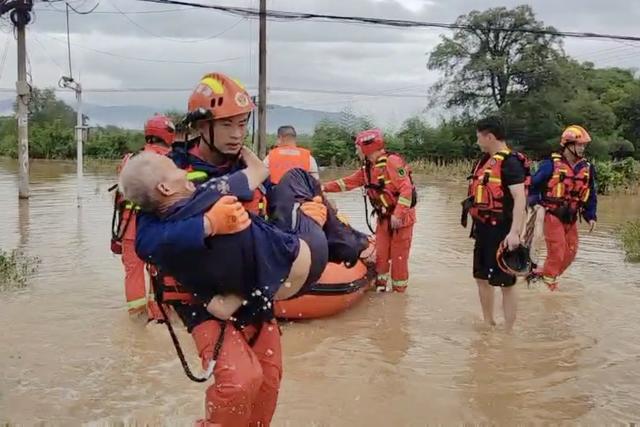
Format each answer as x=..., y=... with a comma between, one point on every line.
x=70, y=355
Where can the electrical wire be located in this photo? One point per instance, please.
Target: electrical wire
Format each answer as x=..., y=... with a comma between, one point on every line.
x=288, y=16
x=135, y=58
x=137, y=25
x=68, y=41
x=44, y=50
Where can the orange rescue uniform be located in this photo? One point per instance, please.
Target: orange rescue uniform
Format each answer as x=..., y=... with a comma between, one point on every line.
x=391, y=191
x=248, y=367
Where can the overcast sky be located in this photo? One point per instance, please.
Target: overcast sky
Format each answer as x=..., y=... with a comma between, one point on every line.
x=111, y=49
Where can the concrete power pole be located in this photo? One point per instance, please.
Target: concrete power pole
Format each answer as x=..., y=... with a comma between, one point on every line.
x=70, y=83
x=79, y=141
x=262, y=83
x=20, y=15
x=23, y=94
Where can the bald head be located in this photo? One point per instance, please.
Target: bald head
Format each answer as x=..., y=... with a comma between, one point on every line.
x=153, y=182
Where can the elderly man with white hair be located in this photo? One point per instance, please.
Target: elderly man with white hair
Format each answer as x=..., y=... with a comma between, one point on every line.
x=213, y=269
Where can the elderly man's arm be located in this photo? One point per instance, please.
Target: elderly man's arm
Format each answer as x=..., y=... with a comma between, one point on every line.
x=256, y=171
x=153, y=235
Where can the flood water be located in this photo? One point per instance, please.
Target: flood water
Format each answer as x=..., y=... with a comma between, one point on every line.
x=70, y=354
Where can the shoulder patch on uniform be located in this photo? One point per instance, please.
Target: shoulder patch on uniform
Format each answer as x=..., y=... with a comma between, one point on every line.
x=402, y=171
x=223, y=186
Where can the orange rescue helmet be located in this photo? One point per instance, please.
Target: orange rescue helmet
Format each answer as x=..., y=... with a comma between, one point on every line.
x=370, y=141
x=575, y=134
x=161, y=127
x=219, y=96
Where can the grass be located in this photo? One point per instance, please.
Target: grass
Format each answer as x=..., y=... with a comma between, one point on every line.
x=15, y=269
x=458, y=169
x=630, y=237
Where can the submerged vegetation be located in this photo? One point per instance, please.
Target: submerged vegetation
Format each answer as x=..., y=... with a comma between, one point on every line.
x=15, y=269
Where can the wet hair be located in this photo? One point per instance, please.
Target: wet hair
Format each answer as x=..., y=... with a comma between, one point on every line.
x=138, y=180
x=286, y=130
x=493, y=125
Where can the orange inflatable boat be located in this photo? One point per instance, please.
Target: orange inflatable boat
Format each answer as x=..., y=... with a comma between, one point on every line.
x=337, y=289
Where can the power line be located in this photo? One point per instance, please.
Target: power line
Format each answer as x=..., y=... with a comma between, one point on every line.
x=44, y=50
x=69, y=41
x=4, y=53
x=351, y=99
x=288, y=16
x=83, y=13
x=387, y=93
x=112, y=12
x=173, y=39
x=135, y=58
x=52, y=8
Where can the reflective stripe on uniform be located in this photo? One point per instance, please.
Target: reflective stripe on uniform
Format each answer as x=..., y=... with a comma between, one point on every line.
x=400, y=283
x=383, y=277
x=560, y=187
x=479, y=193
x=343, y=219
x=197, y=175
x=404, y=201
x=136, y=303
x=131, y=206
x=342, y=185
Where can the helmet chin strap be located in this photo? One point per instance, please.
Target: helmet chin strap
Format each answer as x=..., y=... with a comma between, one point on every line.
x=210, y=143
x=572, y=149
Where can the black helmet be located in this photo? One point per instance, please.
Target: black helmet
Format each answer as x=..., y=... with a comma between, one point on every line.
x=516, y=262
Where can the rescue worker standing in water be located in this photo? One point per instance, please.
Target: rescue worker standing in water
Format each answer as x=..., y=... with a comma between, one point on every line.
x=565, y=186
x=286, y=155
x=159, y=134
x=386, y=178
x=245, y=352
x=497, y=202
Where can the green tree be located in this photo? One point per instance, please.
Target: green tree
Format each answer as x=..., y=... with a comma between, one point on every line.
x=628, y=113
x=112, y=142
x=44, y=106
x=332, y=143
x=490, y=60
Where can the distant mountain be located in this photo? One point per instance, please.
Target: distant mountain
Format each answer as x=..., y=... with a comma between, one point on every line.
x=134, y=116
x=302, y=119
x=6, y=106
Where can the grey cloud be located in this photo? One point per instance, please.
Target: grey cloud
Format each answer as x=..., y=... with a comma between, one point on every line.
x=327, y=56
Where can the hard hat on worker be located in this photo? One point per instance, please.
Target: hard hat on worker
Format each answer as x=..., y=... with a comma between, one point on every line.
x=218, y=96
x=370, y=141
x=575, y=134
x=161, y=127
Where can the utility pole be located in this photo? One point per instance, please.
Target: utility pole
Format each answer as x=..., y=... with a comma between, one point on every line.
x=79, y=141
x=70, y=83
x=23, y=93
x=20, y=15
x=262, y=83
